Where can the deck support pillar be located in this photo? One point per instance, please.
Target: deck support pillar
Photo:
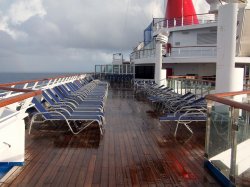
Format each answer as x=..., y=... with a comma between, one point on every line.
x=228, y=78
x=160, y=74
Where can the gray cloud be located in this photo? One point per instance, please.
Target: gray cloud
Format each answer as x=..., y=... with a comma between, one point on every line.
x=70, y=35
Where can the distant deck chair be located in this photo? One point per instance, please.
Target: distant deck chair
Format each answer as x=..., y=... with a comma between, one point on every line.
x=54, y=101
x=185, y=117
x=187, y=102
x=59, y=116
x=73, y=103
x=84, y=94
x=69, y=110
x=170, y=100
x=75, y=100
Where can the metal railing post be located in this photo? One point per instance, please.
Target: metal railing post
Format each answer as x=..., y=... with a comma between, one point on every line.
x=208, y=127
x=186, y=86
x=177, y=83
x=181, y=86
x=189, y=84
x=25, y=85
x=209, y=87
x=34, y=86
x=234, y=128
x=201, y=89
x=195, y=86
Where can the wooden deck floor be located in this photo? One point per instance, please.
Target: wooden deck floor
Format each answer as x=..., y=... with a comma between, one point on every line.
x=136, y=150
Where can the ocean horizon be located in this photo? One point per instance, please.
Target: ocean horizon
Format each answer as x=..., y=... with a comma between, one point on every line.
x=7, y=77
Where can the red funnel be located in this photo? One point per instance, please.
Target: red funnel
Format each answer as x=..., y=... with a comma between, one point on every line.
x=174, y=11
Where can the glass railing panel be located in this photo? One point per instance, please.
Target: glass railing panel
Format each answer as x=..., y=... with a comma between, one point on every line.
x=110, y=68
x=98, y=68
x=200, y=51
x=243, y=147
x=103, y=69
x=228, y=135
x=116, y=69
x=195, y=86
x=124, y=69
x=187, y=20
x=219, y=146
x=129, y=69
x=145, y=53
x=132, y=68
x=121, y=68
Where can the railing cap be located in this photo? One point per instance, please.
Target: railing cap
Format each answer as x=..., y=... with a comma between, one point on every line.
x=18, y=98
x=219, y=97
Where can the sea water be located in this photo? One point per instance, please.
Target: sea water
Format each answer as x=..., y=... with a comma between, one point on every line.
x=15, y=77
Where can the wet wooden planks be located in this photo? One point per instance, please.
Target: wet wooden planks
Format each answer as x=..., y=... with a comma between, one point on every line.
x=136, y=150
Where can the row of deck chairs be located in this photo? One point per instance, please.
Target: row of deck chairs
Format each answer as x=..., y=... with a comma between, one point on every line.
x=79, y=104
x=118, y=78
x=183, y=109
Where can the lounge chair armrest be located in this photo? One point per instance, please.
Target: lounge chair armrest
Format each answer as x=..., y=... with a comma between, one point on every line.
x=65, y=103
x=50, y=112
x=71, y=100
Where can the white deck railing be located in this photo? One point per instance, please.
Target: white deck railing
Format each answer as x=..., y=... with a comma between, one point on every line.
x=194, y=51
x=146, y=53
x=186, y=51
x=184, y=21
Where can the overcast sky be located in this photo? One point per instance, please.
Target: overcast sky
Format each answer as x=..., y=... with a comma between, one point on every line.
x=70, y=35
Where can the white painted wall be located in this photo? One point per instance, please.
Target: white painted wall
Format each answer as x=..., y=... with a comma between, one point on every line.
x=228, y=78
x=188, y=37
x=12, y=132
x=200, y=69
x=160, y=74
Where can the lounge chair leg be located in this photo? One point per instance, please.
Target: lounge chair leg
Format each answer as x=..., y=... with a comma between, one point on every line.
x=175, y=132
x=101, y=131
x=31, y=123
x=188, y=128
x=104, y=122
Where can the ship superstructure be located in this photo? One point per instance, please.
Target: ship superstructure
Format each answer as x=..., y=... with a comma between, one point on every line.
x=196, y=44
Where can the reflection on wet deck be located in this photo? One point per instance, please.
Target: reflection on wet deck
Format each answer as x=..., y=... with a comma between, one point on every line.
x=136, y=150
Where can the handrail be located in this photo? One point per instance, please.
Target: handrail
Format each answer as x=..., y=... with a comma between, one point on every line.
x=142, y=53
x=177, y=76
x=35, y=80
x=27, y=93
x=177, y=51
x=142, y=50
x=229, y=94
x=195, y=79
x=14, y=89
x=194, y=46
x=163, y=20
x=219, y=97
x=14, y=99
